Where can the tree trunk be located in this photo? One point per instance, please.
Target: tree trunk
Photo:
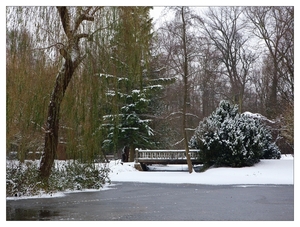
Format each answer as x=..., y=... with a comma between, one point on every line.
x=71, y=59
x=185, y=96
x=186, y=145
x=272, y=107
x=52, y=124
x=131, y=153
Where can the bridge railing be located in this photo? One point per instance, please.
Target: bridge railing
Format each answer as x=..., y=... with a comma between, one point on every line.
x=165, y=156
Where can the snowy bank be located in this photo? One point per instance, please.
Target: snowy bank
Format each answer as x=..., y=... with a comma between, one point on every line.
x=271, y=171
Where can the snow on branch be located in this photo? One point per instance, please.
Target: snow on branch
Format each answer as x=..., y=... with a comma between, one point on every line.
x=129, y=128
x=190, y=129
x=158, y=70
x=179, y=112
x=136, y=91
x=106, y=76
x=178, y=142
x=154, y=86
x=113, y=93
x=174, y=113
x=192, y=115
x=163, y=79
x=112, y=116
x=258, y=116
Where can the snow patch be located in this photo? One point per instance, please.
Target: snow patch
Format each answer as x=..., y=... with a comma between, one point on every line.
x=258, y=116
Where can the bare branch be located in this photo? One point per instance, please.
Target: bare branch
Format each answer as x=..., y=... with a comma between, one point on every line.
x=87, y=11
x=178, y=142
x=96, y=9
x=86, y=16
x=81, y=18
x=82, y=35
x=44, y=48
x=59, y=46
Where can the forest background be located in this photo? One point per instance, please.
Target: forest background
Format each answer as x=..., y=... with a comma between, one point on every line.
x=127, y=62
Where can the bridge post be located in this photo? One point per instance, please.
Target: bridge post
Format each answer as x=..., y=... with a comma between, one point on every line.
x=136, y=154
x=137, y=165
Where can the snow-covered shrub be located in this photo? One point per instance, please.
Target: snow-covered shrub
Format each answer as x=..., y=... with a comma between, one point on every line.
x=22, y=179
x=73, y=175
x=227, y=138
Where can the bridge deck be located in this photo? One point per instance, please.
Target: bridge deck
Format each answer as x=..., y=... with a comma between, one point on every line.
x=166, y=156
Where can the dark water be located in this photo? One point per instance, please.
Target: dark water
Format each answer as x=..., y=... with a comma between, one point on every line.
x=29, y=214
x=130, y=201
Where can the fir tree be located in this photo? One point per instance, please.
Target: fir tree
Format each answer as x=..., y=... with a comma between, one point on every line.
x=130, y=127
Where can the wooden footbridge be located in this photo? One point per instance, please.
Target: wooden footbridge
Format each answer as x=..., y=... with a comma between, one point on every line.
x=149, y=157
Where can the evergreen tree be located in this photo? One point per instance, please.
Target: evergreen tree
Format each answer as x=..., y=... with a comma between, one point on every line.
x=131, y=129
x=131, y=89
x=131, y=126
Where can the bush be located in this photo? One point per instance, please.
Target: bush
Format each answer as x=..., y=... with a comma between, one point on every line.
x=227, y=138
x=73, y=175
x=22, y=178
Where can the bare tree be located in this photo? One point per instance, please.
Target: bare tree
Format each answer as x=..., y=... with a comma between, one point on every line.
x=275, y=26
x=178, y=47
x=207, y=83
x=185, y=88
x=224, y=27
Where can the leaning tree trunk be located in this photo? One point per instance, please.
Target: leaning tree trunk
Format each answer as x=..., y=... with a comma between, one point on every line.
x=71, y=59
x=52, y=125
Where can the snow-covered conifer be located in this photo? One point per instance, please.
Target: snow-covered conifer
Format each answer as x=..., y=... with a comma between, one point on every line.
x=227, y=138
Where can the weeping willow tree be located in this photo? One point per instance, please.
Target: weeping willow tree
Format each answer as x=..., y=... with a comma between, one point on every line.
x=27, y=88
x=59, y=33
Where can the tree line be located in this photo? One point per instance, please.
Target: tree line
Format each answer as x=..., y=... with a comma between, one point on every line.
x=95, y=79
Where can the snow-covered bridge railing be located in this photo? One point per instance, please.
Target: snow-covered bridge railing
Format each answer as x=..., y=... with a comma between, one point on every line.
x=145, y=157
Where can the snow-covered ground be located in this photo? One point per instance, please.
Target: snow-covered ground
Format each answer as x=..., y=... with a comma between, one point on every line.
x=279, y=171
